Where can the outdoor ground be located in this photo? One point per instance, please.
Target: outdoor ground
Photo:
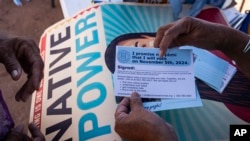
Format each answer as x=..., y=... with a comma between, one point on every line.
x=30, y=20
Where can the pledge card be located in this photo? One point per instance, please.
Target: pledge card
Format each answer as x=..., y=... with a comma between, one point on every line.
x=211, y=69
x=142, y=70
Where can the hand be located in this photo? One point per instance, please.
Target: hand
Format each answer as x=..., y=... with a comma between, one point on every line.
x=206, y=35
x=21, y=54
x=17, y=134
x=199, y=33
x=134, y=123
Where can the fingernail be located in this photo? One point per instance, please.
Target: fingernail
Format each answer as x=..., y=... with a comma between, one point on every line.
x=135, y=94
x=14, y=73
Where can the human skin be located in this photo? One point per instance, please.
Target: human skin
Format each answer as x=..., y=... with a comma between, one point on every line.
x=134, y=123
x=206, y=35
x=18, y=55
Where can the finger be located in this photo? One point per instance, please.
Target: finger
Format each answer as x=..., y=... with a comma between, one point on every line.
x=11, y=63
x=135, y=101
x=26, y=90
x=160, y=33
x=169, y=35
x=32, y=83
x=122, y=109
x=180, y=27
x=37, y=73
x=31, y=61
x=29, y=56
x=36, y=133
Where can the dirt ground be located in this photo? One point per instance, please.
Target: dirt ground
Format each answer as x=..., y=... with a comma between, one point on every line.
x=30, y=20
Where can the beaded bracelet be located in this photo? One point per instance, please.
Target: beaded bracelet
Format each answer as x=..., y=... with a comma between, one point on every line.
x=247, y=47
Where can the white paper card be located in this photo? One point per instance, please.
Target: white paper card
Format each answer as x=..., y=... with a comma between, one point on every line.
x=142, y=70
x=211, y=69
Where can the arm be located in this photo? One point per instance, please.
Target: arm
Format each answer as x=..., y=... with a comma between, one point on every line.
x=17, y=55
x=206, y=35
x=134, y=123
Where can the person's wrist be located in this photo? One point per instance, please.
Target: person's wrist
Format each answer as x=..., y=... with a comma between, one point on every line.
x=233, y=42
x=233, y=47
x=168, y=134
x=163, y=132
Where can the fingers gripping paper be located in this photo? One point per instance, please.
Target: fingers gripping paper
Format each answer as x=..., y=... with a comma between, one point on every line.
x=76, y=99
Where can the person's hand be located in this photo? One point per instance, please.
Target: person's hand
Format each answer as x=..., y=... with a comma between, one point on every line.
x=206, y=35
x=19, y=55
x=16, y=134
x=134, y=123
x=199, y=33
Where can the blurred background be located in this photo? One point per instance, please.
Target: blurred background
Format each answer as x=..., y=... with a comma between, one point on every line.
x=242, y=5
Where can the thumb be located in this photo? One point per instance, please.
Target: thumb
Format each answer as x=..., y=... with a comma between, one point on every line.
x=12, y=65
x=36, y=133
x=135, y=101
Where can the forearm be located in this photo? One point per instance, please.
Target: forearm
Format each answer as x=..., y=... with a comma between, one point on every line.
x=161, y=132
x=233, y=46
x=167, y=133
